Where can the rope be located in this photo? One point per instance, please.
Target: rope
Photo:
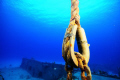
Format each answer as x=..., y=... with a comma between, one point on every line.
x=75, y=12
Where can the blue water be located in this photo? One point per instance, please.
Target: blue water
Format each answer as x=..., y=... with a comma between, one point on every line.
x=35, y=29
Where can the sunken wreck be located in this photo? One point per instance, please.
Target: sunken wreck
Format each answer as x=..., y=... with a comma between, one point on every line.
x=44, y=70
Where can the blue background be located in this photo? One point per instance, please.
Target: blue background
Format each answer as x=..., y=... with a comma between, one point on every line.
x=35, y=29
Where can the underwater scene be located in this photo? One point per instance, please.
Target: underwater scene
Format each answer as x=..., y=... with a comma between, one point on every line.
x=59, y=39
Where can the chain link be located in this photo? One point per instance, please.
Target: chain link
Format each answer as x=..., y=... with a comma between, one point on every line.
x=83, y=66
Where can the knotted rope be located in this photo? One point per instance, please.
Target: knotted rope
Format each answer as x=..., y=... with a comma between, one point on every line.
x=75, y=59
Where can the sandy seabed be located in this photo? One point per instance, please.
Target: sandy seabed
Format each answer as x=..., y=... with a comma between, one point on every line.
x=96, y=77
x=20, y=74
x=16, y=74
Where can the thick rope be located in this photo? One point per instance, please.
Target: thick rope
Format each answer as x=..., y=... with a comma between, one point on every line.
x=75, y=12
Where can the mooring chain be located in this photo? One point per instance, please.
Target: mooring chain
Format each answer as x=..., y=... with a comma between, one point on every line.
x=80, y=60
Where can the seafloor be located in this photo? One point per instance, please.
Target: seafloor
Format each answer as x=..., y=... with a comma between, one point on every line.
x=20, y=74
x=31, y=69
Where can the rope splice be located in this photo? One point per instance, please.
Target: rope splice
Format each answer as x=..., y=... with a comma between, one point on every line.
x=76, y=59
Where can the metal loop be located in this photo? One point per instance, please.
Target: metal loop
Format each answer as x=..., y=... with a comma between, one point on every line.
x=87, y=70
x=73, y=58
